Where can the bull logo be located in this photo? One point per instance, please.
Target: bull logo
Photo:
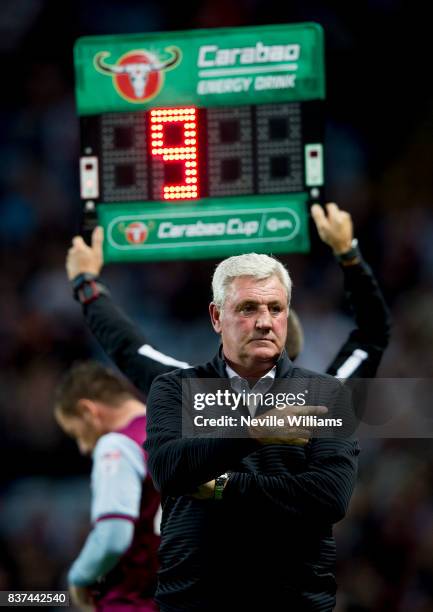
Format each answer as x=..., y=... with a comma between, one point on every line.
x=136, y=232
x=138, y=75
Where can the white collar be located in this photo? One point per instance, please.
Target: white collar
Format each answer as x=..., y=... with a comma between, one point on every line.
x=241, y=385
x=232, y=374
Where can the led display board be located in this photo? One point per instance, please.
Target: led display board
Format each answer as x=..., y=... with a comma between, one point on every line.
x=202, y=143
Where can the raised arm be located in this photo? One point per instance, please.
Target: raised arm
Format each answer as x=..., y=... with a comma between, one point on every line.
x=361, y=353
x=119, y=337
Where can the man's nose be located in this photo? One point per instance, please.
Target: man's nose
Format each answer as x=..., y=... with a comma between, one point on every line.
x=264, y=320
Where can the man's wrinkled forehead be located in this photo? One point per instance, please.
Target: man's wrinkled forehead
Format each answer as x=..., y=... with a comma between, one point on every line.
x=260, y=290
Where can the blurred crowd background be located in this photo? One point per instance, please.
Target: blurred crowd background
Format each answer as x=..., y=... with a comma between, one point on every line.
x=379, y=147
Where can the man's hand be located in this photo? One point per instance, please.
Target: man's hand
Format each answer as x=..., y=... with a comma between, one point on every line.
x=286, y=434
x=82, y=258
x=336, y=229
x=81, y=597
x=205, y=491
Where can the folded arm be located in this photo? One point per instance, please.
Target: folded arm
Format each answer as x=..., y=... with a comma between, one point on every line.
x=179, y=465
x=321, y=492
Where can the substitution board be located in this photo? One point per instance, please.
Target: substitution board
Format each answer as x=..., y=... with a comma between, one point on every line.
x=202, y=143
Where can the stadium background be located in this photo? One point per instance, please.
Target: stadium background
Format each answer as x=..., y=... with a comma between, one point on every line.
x=379, y=166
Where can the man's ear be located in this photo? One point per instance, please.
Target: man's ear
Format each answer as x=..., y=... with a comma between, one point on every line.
x=87, y=409
x=215, y=317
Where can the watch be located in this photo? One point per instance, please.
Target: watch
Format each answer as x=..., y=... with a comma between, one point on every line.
x=350, y=255
x=220, y=482
x=87, y=287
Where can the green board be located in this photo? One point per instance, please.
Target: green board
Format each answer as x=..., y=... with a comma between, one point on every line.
x=251, y=65
x=161, y=232
x=262, y=67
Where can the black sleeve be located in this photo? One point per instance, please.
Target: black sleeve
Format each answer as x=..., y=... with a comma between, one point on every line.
x=179, y=465
x=360, y=355
x=121, y=339
x=321, y=492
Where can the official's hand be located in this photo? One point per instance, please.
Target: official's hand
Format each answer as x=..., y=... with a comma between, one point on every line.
x=335, y=228
x=82, y=258
x=81, y=597
x=205, y=491
x=286, y=434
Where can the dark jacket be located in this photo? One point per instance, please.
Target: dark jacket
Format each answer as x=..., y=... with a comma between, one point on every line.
x=361, y=353
x=268, y=544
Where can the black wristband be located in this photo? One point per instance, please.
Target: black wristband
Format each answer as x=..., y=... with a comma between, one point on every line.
x=87, y=287
x=351, y=255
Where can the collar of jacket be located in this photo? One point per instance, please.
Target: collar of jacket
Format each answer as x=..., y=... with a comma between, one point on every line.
x=284, y=365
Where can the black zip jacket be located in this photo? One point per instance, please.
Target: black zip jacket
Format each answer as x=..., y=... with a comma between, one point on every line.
x=268, y=544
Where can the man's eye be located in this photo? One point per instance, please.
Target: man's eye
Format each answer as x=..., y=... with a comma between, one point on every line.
x=248, y=308
x=275, y=309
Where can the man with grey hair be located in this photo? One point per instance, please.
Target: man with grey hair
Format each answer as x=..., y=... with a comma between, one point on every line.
x=251, y=344
x=247, y=521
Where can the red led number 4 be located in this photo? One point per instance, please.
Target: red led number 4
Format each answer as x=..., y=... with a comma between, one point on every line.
x=173, y=138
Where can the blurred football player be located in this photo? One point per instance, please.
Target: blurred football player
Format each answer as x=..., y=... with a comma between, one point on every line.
x=116, y=568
